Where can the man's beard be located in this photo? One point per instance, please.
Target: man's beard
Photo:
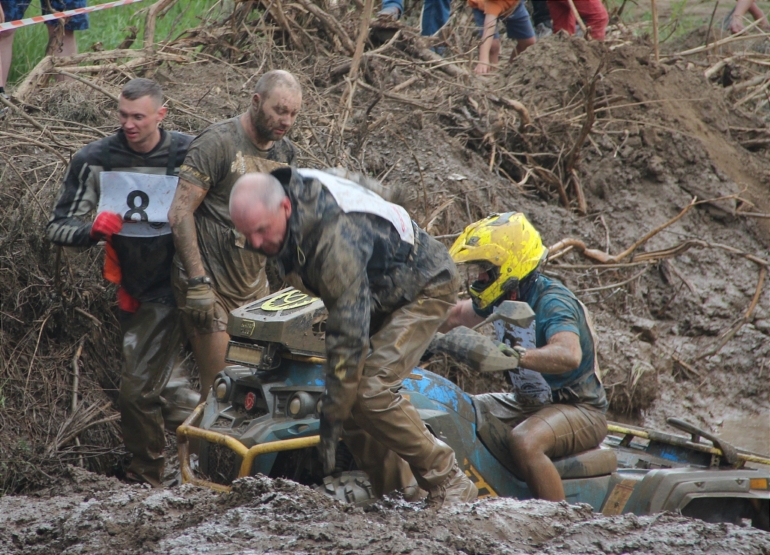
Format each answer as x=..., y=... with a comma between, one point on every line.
x=263, y=131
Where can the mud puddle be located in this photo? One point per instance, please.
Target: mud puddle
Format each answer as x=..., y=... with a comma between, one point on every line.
x=97, y=515
x=749, y=432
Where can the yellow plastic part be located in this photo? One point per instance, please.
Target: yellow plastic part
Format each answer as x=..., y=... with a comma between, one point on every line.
x=248, y=455
x=507, y=241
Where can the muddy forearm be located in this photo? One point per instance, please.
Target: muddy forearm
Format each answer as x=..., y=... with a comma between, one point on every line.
x=461, y=314
x=562, y=354
x=182, y=220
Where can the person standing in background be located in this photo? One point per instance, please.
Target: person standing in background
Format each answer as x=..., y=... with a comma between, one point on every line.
x=61, y=32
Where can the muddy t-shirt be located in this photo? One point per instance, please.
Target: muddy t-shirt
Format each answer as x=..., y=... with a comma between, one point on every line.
x=215, y=161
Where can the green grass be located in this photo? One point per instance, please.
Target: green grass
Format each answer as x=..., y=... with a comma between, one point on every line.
x=108, y=27
x=678, y=17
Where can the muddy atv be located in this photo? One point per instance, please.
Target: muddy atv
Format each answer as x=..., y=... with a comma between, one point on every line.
x=261, y=416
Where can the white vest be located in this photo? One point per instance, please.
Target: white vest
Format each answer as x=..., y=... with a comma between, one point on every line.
x=351, y=197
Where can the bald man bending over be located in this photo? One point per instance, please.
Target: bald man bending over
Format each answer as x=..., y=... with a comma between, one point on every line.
x=213, y=273
x=388, y=286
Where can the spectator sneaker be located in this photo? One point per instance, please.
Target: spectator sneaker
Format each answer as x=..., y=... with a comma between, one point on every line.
x=391, y=12
x=456, y=489
x=543, y=30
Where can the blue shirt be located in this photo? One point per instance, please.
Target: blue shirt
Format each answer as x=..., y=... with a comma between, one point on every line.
x=556, y=310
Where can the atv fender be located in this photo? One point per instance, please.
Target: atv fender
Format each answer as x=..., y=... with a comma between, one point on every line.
x=672, y=489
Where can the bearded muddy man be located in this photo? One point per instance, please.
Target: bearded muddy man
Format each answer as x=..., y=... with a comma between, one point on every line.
x=387, y=286
x=130, y=177
x=213, y=273
x=558, y=404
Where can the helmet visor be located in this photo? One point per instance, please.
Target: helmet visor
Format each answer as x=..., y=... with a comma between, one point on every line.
x=479, y=275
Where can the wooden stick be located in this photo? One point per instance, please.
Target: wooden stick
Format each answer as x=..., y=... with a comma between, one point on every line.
x=711, y=22
x=276, y=8
x=36, y=143
x=149, y=21
x=579, y=19
x=85, y=81
x=34, y=79
x=655, y=30
x=736, y=37
x=331, y=24
x=29, y=118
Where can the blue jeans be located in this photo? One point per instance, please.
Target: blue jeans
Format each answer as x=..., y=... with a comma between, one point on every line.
x=14, y=9
x=518, y=25
x=435, y=14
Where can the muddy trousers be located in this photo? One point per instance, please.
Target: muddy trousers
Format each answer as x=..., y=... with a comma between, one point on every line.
x=151, y=341
x=384, y=431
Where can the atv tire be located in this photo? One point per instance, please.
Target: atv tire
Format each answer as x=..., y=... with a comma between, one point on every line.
x=349, y=487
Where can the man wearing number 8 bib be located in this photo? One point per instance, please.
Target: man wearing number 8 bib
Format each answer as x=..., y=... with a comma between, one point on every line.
x=129, y=179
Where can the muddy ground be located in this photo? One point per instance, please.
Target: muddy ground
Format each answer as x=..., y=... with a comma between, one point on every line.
x=663, y=135
x=91, y=514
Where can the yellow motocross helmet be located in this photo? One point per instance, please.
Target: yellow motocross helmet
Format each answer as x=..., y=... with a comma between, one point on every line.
x=504, y=246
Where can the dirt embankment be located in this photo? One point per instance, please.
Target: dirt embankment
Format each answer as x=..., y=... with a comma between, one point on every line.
x=684, y=328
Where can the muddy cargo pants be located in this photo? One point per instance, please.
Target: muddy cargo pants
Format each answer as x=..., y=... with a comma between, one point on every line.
x=384, y=431
x=151, y=342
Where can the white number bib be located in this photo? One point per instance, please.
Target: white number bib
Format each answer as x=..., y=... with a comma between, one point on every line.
x=351, y=197
x=143, y=200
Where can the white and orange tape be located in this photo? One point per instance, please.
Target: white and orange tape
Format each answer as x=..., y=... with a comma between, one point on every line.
x=19, y=23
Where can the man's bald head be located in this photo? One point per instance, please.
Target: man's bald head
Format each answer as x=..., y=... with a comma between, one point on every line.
x=260, y=209
x=256, y=188
x=275, y=79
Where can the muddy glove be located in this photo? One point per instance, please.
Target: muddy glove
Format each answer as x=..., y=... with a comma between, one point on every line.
x=106, y=225
x=513, y=352
x=330, y=436
x=200, y=302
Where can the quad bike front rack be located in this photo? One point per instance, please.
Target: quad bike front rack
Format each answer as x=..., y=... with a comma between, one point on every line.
x=188, y=430
x=733, y=456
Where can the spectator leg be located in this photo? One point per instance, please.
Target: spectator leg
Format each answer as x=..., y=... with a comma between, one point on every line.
x=435, y=14
x=523, y=44
x=6, y=51
x=562, y=16
x=540, y=13
x=594, y=16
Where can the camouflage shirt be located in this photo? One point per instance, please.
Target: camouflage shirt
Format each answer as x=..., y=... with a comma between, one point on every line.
x=361, y=269
x=215, y=161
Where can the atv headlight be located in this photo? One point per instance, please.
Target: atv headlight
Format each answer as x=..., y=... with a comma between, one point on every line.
x=243, y=353
x=222, y=388
x=300, y=405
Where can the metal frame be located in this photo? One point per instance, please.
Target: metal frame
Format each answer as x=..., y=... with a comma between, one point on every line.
x=680, y=441
x=188, y=429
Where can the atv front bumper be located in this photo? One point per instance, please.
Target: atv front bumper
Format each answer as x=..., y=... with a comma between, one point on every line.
x=189, y=429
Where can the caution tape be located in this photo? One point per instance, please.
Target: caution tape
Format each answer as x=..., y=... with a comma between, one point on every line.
x=19, y=23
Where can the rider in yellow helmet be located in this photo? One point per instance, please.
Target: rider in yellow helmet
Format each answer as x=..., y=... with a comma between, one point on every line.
x=505, y=247
x=558, y=403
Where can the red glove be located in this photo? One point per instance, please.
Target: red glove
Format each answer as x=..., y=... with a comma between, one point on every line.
x=106, y=225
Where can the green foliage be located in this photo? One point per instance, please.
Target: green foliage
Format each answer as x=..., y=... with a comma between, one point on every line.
x=108, y=28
